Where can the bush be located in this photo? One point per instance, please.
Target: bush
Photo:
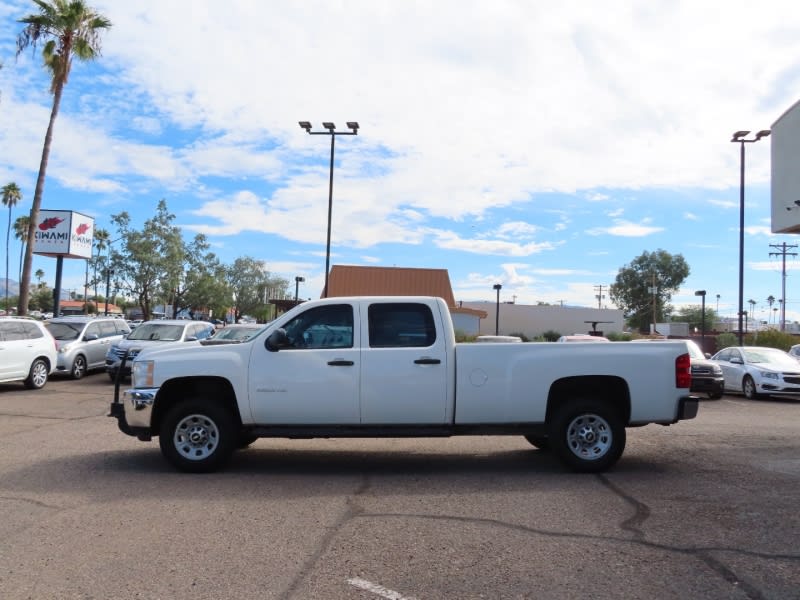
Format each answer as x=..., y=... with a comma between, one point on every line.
x=463, y=337
x=550, y=336
x=726, y=339
x=771, y=338
x=521, y=336
x=619, y=337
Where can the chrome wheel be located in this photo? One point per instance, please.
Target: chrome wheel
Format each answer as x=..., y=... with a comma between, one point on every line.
x=37, y=377
x=589, y=437
x=196, y=437
x=78, y=367
x=749, y=388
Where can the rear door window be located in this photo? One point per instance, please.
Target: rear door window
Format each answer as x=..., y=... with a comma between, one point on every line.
x=401, y=325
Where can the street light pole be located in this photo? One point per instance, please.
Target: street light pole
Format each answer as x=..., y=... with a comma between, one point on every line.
x=740, y=137
x=330, y=129
x=497, y=287
x=702, y=294
x=297, y=281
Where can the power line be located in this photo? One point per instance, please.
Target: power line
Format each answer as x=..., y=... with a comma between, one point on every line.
x=599, y=294
x=783, y=254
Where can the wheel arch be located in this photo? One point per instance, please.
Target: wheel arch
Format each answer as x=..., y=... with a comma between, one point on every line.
x=609, y=389
x=173, y=391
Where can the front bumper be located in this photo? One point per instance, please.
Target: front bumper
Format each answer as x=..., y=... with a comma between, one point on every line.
x=135, y=412
x=708, y=385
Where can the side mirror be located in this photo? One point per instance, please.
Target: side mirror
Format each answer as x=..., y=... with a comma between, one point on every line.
x=191, y=338
x=90, y=337
x=708, y=354
x=737, y=361
x=277, y=340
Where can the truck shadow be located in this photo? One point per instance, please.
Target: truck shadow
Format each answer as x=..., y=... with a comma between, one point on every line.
x=299, y=472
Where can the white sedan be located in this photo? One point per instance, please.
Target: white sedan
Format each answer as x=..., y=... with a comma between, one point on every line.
x=755, y=371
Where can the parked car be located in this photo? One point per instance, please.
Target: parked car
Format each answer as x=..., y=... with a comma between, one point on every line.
x=83, y=342
x=707, y=375
x=795, y=351
x=233, y=334
x=154, y=333
x=27, y=352
x=755, y=371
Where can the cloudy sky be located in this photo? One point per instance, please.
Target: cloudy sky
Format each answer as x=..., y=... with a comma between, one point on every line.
x=539, y=145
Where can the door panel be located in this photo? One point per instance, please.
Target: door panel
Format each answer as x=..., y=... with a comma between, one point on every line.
x=404, y=366
x=315, y=379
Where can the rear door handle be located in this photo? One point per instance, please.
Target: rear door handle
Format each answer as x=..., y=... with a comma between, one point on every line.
x=427, y=361
x=340, y=363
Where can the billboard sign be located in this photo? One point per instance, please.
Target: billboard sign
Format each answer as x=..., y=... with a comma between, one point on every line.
x=785, y=202
x=63, y=233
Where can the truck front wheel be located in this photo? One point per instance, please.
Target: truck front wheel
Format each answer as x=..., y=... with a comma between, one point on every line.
x=587, y=435
x=198, y=436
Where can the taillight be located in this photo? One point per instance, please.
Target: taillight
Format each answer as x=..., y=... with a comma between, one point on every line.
x=683, y=371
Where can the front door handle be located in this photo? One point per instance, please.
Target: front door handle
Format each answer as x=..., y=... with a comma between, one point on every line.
x=427, y=361
x=340, y=363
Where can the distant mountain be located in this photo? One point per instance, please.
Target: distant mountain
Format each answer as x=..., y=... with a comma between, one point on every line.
x=11, y=285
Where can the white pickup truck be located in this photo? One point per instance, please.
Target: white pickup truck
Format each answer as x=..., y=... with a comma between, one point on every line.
x=390, y=367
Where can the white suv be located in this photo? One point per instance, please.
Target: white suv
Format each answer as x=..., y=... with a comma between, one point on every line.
x=27, y=352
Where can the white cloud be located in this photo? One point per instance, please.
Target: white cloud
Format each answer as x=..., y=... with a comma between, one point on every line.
x=626, y=229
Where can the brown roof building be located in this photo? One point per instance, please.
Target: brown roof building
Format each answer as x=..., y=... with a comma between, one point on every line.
x=348, y=280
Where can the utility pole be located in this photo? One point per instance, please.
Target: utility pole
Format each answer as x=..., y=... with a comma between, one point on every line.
x=599, y=294
x=654, y=290
x=783, y=254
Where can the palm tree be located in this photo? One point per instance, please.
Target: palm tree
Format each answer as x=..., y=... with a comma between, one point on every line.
x=101, y=243
x=11, y=196
x=752, y=304
x=770, y=301
x=21, y=233
x=68, y=29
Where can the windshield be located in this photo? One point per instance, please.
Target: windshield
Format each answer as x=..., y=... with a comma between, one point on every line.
x=163, y=332
x=65, y=331
x=771, y=357
x=231, y=332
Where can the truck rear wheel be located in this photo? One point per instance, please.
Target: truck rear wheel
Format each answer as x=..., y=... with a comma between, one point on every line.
x=198, y=436
x=587, y=435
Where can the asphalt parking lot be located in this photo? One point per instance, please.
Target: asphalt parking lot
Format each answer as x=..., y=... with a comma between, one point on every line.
x=702, y=509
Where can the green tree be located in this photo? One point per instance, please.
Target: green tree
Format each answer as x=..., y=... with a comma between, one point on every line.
x=250, y=282
x=633, y=291
x=200, y=281
x=21, y=233
x=693, y=315
x=146, y=263
x=100, y=241
x=11, y=197
x=69, y=29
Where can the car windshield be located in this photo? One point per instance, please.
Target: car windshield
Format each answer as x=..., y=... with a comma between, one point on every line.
x=163, y=332
x=236, y=333
x=65, y=331
x=772, y=357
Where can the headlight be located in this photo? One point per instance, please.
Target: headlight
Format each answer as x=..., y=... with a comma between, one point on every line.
x=142, y=373
x=769, y=375
x=64, y=349
x=717, y=370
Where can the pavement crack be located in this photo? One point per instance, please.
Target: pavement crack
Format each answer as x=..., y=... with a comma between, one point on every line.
x=352, y=511
x=641, y=512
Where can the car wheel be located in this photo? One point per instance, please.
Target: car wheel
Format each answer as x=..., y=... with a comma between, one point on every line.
x=714, y=395
x=78, y=367
x=538, y=441
x=37, y=377
x=198, y=436
x=587, y=435
x=749, y=388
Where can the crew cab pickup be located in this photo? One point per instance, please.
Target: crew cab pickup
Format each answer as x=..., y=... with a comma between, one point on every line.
x=390, y=367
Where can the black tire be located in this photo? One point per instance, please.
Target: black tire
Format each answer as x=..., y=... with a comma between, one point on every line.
x=37, y=376
x=714, y=395
x=78, y=367
x=198, y=435
x=587, y=435
x=542, y=442
x=749, y=388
